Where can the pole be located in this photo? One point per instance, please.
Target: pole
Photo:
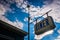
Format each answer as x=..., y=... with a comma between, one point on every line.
x=28, y=23
x=28, y=28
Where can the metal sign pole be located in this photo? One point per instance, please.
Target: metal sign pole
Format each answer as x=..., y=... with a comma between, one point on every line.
x=28, y=23
x=42, y=15
x=28, y=28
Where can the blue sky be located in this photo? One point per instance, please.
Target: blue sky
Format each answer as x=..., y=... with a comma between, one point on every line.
x=17, y=13
x=36, y=2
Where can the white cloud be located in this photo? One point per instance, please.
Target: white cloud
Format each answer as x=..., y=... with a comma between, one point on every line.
x=25, y=19
x=3, y=8
x=55, y=6
x=37, y=11
x=58, y=31
x=16, y=23
x=55, y=13
x=43, y=35
x=58, y=38
x=21, y=3
x=33, y=11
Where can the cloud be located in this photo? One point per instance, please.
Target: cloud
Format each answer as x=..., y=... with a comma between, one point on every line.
x=55, y=6
x=37, y=11
x=2, y=10
x=21, y=3
x=34, y=11
x=5, y=6
x=16, y=23
x=39, y=37
x=58, y=38
x=25, y=19
x=58, y=31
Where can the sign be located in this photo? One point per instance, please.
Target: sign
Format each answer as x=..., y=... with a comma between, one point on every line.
x=45, y=25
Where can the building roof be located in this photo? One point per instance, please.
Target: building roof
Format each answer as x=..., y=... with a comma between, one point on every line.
x=12, y=28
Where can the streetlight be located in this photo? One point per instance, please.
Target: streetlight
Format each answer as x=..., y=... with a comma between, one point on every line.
x=28, y=6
